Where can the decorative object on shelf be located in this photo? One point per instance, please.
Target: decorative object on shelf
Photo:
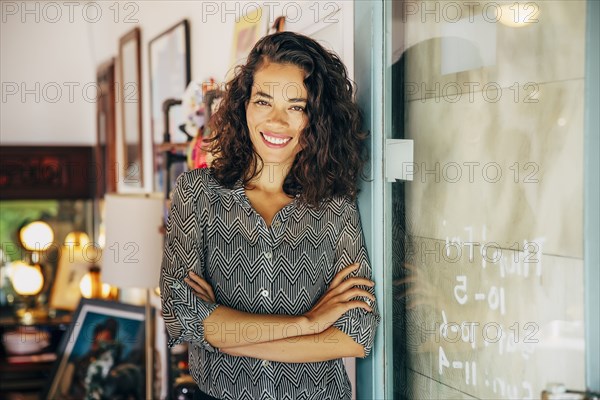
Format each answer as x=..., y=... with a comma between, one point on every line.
x=169, y=55
x=130, y=100
x=102, y=354
x=192, y=104
x=106, y=134
x=198, y=157
x=133, y=252
x=168, y=156
x=25, y=340
x=76, y=256
x=248, y=29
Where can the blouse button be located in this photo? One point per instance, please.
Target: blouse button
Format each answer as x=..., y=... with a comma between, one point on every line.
x=276, y=224
x=265, y=293
x=266, y=363
x=268, y=255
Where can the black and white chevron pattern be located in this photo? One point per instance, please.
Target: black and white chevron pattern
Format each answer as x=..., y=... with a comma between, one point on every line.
x=282, y=269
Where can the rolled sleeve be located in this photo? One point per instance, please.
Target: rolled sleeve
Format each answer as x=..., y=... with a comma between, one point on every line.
x=182, y=310
x=357, y=323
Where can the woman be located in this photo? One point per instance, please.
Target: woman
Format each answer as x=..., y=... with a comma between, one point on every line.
x=265, y=270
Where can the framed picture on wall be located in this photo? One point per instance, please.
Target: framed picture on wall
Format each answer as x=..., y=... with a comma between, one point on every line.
x=248, y=30
x=169, y=55
x=130, y=102
x=106, y=148
x=102, y=356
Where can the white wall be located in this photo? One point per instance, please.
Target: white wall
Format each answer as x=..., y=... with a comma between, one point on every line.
x=58, y=45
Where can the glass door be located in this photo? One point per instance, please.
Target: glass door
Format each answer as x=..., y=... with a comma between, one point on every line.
x=484, y=239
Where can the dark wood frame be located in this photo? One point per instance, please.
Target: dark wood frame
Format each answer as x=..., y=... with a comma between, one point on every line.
x=106, y=150
x=137, y=179
x=79, y=330
x=48, y=172
x=166, y=137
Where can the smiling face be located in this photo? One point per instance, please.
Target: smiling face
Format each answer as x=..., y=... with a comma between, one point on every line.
x=276, y=112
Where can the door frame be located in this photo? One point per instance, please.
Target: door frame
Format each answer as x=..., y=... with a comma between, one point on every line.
x=374, y=374
x=591, y=198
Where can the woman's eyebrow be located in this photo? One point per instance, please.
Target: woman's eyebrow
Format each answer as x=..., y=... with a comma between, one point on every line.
x=263, y=94
x=293, y=100
x=297, y=100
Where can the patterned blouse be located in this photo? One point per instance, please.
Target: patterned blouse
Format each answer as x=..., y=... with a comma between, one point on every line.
x=281, y=269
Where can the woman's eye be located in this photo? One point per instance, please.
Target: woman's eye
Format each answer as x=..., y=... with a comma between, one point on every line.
x=261, y=103
x=298, y=108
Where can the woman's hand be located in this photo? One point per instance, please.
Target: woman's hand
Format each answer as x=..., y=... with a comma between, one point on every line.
x=336, y=301
x=201, y=288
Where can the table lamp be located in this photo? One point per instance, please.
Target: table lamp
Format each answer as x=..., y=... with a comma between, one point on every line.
x=132, y=254
x=28, y=277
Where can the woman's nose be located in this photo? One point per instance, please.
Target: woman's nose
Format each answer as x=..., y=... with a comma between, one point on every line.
x=278, y=116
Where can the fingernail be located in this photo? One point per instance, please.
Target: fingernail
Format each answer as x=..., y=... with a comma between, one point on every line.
x=192, y=273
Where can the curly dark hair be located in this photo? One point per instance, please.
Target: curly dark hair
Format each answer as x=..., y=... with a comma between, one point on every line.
x=333, y=146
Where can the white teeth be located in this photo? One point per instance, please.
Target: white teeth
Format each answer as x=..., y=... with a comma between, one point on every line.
x=274, y=140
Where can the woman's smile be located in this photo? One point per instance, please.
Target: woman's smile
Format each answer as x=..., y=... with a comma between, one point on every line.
x=275, y=141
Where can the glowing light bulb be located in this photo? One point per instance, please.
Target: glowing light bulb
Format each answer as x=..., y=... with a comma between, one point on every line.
x=77, y=238
x=36, y=236
x=26, y=279
x=85, y=286
x=519, y=14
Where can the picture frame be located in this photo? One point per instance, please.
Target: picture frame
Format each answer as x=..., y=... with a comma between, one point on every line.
x=247, y=31
x=130, y=106
x=106, y=139
x=71, y=268
x=102, y=355
x=169, y=61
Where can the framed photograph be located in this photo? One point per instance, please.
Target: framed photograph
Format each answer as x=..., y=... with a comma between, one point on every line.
x=130, y=102
x=71, y=268
x=169, y=55
x=248, y=30
x=102, y=355
x=106, y=135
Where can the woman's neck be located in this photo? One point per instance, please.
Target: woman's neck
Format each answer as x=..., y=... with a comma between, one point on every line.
x=271, y=178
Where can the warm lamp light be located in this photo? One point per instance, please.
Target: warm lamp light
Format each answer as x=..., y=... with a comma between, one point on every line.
x=36, y=236
x=77, y=239
x=27, y=280
x=518, y=15
x=85, y=286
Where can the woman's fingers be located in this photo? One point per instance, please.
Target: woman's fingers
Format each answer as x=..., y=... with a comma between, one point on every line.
x=195, y=286
x=350, y=282
x=357, y=304
x=339, y=277
x=203, y=285
x=356, y=292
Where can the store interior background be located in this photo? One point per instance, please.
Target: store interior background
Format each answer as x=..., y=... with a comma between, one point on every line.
x=551, y=55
